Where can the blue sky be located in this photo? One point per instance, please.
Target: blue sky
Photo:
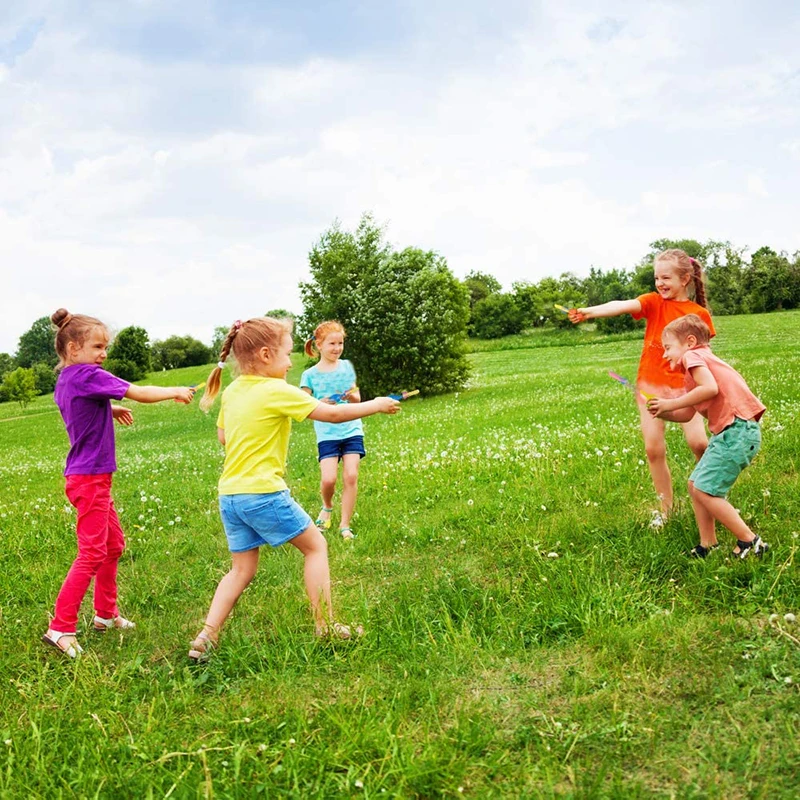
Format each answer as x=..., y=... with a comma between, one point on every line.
x=169, y=164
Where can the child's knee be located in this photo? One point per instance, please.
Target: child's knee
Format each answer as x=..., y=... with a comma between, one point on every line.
x=656, y=451
x=328, y=484
x=350, y=479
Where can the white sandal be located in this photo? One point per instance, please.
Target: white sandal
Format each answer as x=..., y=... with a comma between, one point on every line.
x=201, y=648
x=118, y=622
x=73, y=649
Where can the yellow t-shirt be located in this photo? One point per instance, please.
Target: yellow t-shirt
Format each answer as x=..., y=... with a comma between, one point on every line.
x=256, y=416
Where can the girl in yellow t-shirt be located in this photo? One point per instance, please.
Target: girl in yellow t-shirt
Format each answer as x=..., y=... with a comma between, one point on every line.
x=254, y=424
x=674, y=272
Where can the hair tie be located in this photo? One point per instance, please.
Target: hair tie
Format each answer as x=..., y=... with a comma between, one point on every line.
x=221, y=364
x=237, y=324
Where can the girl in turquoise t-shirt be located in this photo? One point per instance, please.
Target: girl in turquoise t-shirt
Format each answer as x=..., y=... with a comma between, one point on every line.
x=333, y=380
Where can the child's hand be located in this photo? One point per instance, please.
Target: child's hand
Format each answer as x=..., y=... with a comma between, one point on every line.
x=657, y=406
x=184, y=394
x=387, y=406
x=577, y=315
x=122, y=415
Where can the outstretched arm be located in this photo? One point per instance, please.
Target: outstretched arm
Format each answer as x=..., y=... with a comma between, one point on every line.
x=155, y=394
x=612, y=309
x=347, y=411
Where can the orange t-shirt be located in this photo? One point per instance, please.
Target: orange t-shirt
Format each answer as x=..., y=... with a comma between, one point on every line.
x=654, y=371
x=734, y=398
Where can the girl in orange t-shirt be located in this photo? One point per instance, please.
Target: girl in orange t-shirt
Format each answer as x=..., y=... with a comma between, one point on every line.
x=674, y=271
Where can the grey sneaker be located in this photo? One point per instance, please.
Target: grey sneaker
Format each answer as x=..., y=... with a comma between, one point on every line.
x=757, y=548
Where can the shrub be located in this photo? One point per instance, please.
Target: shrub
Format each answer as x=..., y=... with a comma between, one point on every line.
x=404, y=312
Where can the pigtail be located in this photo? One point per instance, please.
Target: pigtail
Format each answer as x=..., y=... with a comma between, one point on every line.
x=308, y=348
x=699, y=283
x=215, y=378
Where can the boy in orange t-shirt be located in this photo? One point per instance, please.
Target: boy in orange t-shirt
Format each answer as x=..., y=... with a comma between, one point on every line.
x=718, y=392
x=674, y=272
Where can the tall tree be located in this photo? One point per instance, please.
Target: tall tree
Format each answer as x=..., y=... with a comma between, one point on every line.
x=404, y=312
x=132, y=345
x=37, y=345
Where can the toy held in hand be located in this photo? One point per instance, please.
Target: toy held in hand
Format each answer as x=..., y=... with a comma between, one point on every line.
x=628, y=385
x=404, y=395
x=341, y=397
x=559, y=307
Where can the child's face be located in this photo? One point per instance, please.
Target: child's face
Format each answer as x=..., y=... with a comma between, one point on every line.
x=332, y=346
x=669, y=284
x=674, y=349
x=92, y=351
x=280, y=360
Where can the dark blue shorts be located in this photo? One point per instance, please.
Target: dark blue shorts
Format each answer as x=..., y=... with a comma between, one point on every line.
x=336, y=448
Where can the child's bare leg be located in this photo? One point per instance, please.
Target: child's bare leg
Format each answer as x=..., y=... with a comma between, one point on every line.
x=350, y=464
x=329, y=468
x=720, y=509
x=229, y=590
x=695, y=432
x=316, y=573
x=705, y=520
x=656, y=449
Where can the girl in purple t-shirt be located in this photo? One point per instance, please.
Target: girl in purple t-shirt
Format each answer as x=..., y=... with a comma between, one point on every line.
x=83, y=393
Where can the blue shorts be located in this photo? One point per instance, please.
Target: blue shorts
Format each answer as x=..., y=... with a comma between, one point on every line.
x=727, y=454
x=253, y=520
x=336, y=448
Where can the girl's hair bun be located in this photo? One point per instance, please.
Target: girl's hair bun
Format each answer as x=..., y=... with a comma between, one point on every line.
x=60, y=318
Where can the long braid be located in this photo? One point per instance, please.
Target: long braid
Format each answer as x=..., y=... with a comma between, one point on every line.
x=699, y=283
x=215, y=378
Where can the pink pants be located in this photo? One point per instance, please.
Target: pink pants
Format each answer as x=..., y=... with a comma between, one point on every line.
x=100, y=545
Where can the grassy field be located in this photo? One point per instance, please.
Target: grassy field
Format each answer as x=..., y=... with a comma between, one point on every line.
x=527, y=633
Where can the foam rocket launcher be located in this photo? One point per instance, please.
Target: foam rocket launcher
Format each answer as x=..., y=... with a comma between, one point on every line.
x=198, y=386
x=404, y=395
x=559, y=307
x=628, y=385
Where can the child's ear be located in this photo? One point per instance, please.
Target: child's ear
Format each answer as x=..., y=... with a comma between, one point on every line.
x=691, y=340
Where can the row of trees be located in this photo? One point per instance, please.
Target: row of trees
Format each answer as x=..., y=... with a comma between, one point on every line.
x=407, y=316
x=767, y=281
x=30, y=371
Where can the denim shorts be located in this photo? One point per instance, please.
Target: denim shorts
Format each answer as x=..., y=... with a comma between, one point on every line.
x=336, y=448
x=253, y=520
x=727, y=454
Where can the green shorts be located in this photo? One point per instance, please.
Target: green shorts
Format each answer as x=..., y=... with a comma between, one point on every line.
x=727, y=454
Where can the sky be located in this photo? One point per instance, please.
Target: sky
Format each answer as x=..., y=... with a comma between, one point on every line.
x=170, y=163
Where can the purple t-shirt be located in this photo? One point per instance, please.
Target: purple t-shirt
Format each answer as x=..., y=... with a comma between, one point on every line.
x=83, y=395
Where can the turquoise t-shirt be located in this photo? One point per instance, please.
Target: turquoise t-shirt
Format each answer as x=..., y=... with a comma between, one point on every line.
x=325, y=384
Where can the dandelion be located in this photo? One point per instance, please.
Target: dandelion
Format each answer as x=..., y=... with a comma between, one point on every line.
x=552, y=555
x=470, y=502
x=790, y=618
x=359, y=784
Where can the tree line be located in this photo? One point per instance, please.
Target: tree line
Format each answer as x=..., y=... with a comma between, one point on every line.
x=735, y=284
x=407, y=316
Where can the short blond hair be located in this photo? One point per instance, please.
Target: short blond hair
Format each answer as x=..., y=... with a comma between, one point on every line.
x=689, y=325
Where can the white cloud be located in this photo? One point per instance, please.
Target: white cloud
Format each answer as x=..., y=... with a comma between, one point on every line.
x=181, y=194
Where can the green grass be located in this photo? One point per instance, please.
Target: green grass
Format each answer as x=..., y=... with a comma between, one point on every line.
x=527, y=633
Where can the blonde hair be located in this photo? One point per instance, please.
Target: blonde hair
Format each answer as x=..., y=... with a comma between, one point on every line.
x=245, y=339
x=74, y=328
x=688, y=325
x=686, y=265
x=318, y=337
